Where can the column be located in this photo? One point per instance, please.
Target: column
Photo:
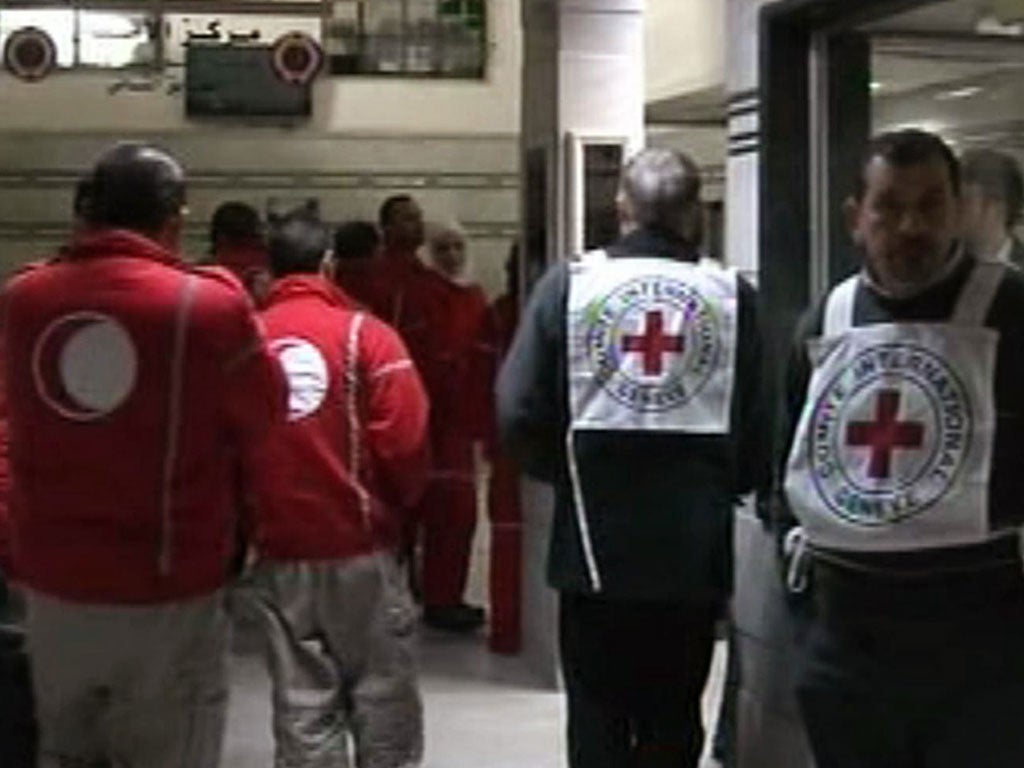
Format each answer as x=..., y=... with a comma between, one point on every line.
x=583, y=81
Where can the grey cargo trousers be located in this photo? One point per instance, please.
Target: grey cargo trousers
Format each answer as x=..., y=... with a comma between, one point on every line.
x=135, y=686
x=340, y=647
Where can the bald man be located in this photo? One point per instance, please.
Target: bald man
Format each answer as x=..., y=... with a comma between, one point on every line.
x=134, y=382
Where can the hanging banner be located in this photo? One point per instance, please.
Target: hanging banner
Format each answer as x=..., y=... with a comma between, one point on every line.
x=297, y=58
x=30, y=54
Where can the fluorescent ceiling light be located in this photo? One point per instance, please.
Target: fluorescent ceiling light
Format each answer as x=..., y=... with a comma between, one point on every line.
x=960, y=93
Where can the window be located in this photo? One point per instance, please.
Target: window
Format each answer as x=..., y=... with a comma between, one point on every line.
x=407, y=37
x=90, y=38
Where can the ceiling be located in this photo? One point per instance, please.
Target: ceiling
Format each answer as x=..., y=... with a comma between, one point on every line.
x=955, y=63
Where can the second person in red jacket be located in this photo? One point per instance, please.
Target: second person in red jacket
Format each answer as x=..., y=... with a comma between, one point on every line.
x=329, y=593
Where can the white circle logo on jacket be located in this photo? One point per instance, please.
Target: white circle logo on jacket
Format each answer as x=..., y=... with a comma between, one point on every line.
x=306, y=370
x=889, y=435
x=84, y=365
x=653, y=343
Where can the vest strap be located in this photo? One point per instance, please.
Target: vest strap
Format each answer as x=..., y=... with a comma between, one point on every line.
x=976, y=297
x=839, y=307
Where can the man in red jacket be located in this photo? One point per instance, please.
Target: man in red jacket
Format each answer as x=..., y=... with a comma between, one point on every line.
x=356, y=264
x=449, y=508
x=132, y=381
x=329, y=486
x=237, y=243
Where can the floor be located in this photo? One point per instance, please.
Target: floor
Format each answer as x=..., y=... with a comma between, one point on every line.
x=482, y=711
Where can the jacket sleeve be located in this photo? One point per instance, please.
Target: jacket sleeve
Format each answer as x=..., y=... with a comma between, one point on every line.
x=531, y=396
x=256, y=391
x=754, y=460
x=397, y=414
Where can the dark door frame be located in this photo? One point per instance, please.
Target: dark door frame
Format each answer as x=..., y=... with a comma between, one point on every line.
x=786, y=31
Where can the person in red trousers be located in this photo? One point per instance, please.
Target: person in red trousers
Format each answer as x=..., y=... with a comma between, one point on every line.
x=449, y=507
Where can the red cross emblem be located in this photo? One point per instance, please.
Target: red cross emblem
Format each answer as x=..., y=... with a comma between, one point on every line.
x=885, y=434
x=653, y=344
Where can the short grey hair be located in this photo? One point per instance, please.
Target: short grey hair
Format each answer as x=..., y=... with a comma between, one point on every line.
x=662, y=190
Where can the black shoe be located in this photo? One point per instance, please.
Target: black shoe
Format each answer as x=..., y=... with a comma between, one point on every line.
x=454, y=618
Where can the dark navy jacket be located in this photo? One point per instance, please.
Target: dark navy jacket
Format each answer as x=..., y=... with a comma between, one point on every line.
x=659, y=506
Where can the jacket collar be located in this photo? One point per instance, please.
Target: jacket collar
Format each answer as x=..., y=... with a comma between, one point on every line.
x=106, y=243
x=652, y=243
x=955, y=267
x=242, y=258
x=308, y=286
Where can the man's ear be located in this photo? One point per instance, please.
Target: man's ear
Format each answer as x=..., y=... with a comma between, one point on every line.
x=171, y=231
x=851, y=217
x=624, y=209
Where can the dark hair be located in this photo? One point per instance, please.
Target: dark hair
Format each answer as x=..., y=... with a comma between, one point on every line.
x=999, y=177
x=904, y=148
x=134, y=186
x=355, y=240
x=297, y=243
x=387, y=208
x=235, y=222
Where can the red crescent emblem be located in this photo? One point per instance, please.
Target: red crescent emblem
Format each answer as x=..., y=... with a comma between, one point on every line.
x=297, y=58
x=30, y=54
x=84, y=366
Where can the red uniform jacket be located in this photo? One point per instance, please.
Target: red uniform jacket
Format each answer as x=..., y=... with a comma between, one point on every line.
x=6, y=559
x=363, y=283
x=458, y=407
x=133, y=382
x=354, y=446
x=250, y=264
x=407, y=298
x=439, y=320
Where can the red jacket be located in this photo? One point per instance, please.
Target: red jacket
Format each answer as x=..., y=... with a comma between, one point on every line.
x=409, y=299
x=133, y=382
x=458, y=407
x=354, y=446
x=6, y=556
x=250, y=264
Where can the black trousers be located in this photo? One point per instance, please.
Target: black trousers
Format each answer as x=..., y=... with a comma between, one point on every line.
x=634, y=674
x=17, y=718
x=908, y=693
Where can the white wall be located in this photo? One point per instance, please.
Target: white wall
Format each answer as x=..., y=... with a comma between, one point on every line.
x=342, y=104
x=705, y=144
x=685, y=46
x=452, y=143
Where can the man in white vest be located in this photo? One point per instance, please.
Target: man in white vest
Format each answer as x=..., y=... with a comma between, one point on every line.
x=906, y=474
x=632, y=386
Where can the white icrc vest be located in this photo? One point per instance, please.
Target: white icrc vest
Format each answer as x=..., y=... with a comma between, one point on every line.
x=652, y=344
x=651, y=348
x=894, y=447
